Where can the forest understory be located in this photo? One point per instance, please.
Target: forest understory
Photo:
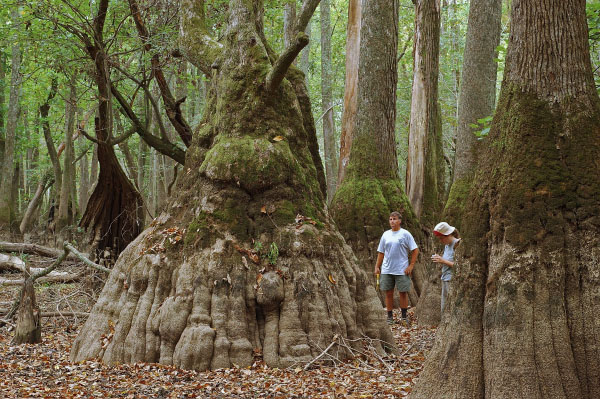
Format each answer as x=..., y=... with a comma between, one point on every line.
x=44, y=370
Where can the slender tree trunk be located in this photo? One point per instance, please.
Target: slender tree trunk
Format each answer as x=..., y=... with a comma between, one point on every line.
x=7, y=206
x=289, y=18
x=477, y=95
x=351, y=85
x=522, y=318
x=65, y=208
x=197, y=296
x=327, y=102
x=84, y=183
x=425, y=162
x=46, y=180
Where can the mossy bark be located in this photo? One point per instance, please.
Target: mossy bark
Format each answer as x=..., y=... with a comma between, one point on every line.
x=371, y=188
x=225, y=272
x=522, y=319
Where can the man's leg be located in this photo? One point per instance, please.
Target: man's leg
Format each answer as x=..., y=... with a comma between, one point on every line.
x=404, y=305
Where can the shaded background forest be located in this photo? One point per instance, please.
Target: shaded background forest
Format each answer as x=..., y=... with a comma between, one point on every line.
x=54, y=95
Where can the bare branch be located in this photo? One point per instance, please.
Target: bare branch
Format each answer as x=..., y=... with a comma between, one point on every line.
x=308, y=9
x=281, y=66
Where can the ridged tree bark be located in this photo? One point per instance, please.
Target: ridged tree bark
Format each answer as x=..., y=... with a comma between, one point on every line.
x=190, y=291
x=7, y=206
x=523, y=318
x=350, y=86
x=476, y=100
x=425, y=161
x=327, y=102
x=371, y=188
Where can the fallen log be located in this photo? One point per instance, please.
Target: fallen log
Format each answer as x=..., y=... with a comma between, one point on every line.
x=33, y=249
x=60, y=277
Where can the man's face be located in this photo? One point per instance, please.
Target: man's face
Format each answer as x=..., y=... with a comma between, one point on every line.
x=395, y=222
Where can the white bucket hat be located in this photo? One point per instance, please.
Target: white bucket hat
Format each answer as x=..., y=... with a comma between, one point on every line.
x=443, y=229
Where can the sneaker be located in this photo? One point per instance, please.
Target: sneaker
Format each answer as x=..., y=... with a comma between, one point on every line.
x=390, y=320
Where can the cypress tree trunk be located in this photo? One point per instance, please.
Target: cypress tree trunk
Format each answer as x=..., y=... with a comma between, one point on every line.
x=523, y=318
x=425, y=161
x=371, y=188
x=190, y=290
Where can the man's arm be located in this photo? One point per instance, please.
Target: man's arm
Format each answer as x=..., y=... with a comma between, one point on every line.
x=378, y=263
x=413, y=258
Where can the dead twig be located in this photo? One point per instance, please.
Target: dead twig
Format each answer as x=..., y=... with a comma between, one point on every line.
x=335, y=338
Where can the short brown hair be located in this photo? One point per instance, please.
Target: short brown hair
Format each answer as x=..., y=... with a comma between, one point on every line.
x=397, y=214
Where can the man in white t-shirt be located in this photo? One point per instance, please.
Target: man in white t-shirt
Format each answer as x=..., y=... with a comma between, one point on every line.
x=396, y=257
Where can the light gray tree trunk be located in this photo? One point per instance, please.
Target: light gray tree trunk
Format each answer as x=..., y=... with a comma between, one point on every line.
x=425, y=161
x=65, y=208
x=289, y=18
x=329, y=147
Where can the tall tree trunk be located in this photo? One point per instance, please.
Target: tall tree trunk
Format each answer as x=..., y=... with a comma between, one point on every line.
x=327, y=102
x=351, y=85
x=7, y=206
x=371, y=188
x=197, y=296
x=289, y=17
x=477, y=96
x=476, y=100
x=523, y=318
x=425, y=161
x=46, y=180
x=65, y=208
x=2, y=105
x=84, y=182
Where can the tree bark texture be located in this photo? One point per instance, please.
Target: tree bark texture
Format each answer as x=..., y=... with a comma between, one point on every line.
x=351, y=85
x=198, y=290
x=477, y=94
x=476, y=100
x=29, y=329
x=66, y=208
x=523, y=318
x=329, y=142
x=7, y=206
x=425, y=161
x=289, y=19
x=371, y=188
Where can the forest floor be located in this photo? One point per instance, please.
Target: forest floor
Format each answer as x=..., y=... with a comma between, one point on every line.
x=45, y=371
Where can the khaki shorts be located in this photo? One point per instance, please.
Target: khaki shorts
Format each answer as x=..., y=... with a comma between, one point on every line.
x=388, y=281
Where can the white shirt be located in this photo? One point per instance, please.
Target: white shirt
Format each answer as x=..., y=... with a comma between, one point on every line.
x=396, y=247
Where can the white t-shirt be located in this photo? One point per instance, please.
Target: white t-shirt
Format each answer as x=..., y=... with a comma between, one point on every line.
x=396, y=247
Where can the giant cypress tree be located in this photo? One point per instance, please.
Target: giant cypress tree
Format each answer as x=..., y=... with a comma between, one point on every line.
x=190, y=290
x=523, y=317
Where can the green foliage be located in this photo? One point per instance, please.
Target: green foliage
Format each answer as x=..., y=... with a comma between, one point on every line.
x=273, y=253
x=482, y=127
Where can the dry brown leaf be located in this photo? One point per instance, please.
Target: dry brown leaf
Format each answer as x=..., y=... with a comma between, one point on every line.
x=331, y=280
x=278, y=138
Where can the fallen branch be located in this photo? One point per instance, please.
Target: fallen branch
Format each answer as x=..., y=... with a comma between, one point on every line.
x=335, y=337
x=61, y=277
x=82, y=258
x=32, y=249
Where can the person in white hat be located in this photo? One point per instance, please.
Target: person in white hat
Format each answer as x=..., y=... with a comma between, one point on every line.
x=449, y=236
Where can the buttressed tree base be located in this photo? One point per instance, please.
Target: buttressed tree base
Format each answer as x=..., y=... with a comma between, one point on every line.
x=244, y=259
